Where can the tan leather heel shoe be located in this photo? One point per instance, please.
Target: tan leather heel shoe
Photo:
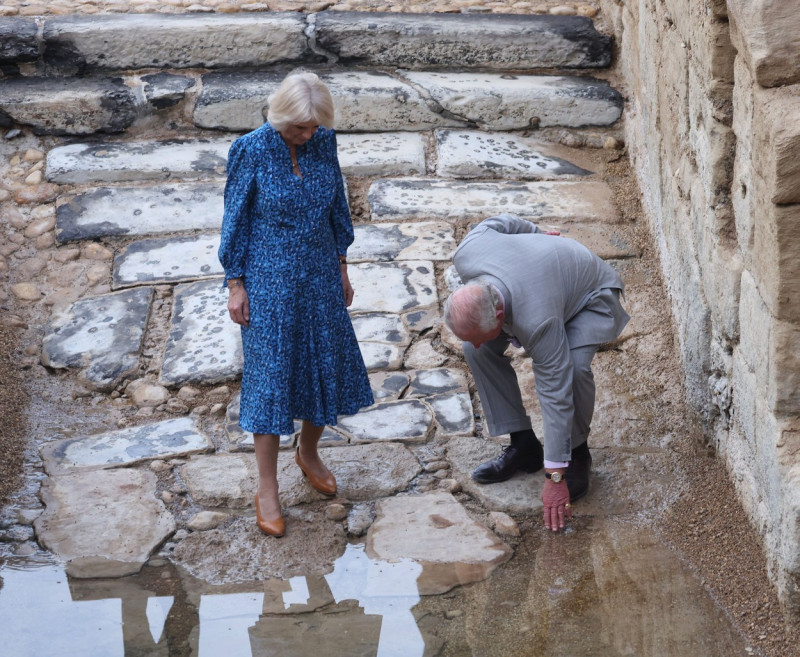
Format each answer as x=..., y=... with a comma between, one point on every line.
x=276, y=528
x=326, y=485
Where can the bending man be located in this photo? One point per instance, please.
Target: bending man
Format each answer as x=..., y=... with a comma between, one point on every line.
x=560, y=302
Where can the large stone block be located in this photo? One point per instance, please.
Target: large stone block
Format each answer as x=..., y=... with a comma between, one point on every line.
x=77, y=44
x=754, y=322
x=776, y=142
x=776, y=266
x=69, y=106
x=497, y=41
x=18, y=40
x=767, y=34
x=784, y=365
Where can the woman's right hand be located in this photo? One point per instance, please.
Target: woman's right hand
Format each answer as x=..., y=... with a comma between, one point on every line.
x=239, y=305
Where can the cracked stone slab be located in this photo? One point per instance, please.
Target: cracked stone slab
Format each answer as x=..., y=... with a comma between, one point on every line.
x=434, y=530
x=102, y=335
x=68, y=106
x=381, y=356
x=424, y=240
x=475, y=154
x=406, y=420
x=497, y=41
x=515, y=102
x=174, y=438
x=365, y=102
x=382, y=338
x=132, y=211
x=167, y=260
x=407, y=199
x=385, y=154
x=204, y=345
x=103, y=524
x=522, y=494
x=436, y=382
x=141, y=160
x=396, y=287
x=388, y=386
x=76, y=44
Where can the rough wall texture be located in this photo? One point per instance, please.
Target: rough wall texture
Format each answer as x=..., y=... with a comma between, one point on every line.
x=716, y=143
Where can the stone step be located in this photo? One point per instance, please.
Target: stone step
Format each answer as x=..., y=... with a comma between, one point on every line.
x=368, y=101
x=78, y=44
x=495, y=42
x=384, y=154
x=476, y=154
x=180, y=259
x=411, y=199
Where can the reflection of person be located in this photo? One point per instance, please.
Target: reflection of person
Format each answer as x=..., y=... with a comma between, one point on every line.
x=284, y=241
x=560, y=302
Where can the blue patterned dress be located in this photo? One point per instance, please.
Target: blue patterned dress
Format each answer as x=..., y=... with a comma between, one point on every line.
x=282, y=235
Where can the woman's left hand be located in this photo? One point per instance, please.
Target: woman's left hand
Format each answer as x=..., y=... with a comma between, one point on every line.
x=346, y=287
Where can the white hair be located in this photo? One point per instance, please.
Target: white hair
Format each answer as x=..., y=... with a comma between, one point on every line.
x=474, y=305
x=301, y=98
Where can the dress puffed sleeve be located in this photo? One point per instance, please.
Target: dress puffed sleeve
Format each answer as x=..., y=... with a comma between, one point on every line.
x=240, y=188
x=341, y=221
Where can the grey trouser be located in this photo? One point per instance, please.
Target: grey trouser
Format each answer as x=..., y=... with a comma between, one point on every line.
x=500, y=395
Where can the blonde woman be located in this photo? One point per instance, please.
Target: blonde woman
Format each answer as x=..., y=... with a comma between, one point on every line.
x=285, y=234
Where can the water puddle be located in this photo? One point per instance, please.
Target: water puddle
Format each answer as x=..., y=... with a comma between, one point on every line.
x=607, y=588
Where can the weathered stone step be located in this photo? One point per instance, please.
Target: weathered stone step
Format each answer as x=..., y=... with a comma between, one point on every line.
x=179, y=259
x=476, y=154
x=372, y=101
x=79, y=44
x=412, y=199
x=385, y=154
x=495, y=41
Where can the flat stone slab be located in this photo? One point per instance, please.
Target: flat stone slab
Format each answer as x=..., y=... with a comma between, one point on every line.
x=171, y=40
x=434, y=530
x=453, y=412
x=174, y=438
x=394, y=287
x=388, y=386
x=133, y=211
x=496, y=41
x=385, y=154
x=204, y=345
x=243, y=440
x=475, y=154
x=105, y=523
x=382, y=338
x=19, y=39
x=515, y=102
x=522, y=494
x=102, y=335
x=73, y=106
x=406, y=420
x=167, y=260
x=440, y=380
x=408, y=199
x=365, y=102
x=608, y=242
x=424, y=240
x=142, y=160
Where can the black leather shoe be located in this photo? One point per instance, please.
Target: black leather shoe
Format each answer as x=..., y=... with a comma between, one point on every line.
x=577, y=474
x=505, y=465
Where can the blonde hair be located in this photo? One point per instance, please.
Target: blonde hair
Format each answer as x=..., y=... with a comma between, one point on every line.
x=301, y=98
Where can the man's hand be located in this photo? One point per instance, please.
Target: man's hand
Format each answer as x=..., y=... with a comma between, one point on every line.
x=239, y=305
x=555, y=499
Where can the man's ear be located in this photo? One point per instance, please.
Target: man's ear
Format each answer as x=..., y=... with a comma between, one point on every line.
x=500, y=314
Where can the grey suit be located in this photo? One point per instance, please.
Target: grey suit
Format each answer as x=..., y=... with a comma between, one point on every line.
x=561, y=304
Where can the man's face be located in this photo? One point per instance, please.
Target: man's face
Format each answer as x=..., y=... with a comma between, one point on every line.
x=297, y=134
x=476, y=337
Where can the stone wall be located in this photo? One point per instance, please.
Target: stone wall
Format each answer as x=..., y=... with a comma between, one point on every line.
x=713, y=127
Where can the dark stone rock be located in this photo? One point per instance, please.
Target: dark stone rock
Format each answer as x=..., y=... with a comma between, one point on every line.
x=18, y=40
x=164, y=90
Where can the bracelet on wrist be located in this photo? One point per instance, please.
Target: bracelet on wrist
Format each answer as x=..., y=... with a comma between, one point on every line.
x=235, y=282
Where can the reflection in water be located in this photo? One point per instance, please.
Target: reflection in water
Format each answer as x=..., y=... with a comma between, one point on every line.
x=362, y=607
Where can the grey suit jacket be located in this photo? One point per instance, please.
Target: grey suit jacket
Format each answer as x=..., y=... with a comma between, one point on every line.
x=547, y=282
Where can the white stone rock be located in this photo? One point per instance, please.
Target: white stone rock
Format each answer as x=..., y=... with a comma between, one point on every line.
x=205, y=520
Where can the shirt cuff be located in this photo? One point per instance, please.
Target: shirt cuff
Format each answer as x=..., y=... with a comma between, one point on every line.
x=556, y=464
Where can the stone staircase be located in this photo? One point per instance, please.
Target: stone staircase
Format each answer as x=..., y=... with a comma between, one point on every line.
x=442, y=120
